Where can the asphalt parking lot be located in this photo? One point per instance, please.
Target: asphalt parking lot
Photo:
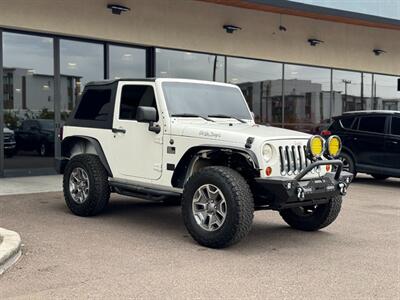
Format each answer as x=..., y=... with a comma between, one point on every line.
x=141, y=250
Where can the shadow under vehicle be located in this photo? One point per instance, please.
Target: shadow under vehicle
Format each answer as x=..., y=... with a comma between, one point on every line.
x=36, y=135
x=371, y=142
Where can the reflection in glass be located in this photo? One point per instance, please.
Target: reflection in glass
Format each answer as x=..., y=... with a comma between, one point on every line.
x=261, y=84
x=385, y=93
x=307, y=98
x=183, y=64
x=346, y=92
x=80, y=63
x=126, y=62
x=28, y=99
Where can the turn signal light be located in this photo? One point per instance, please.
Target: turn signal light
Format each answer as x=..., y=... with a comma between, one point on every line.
x=268, y=171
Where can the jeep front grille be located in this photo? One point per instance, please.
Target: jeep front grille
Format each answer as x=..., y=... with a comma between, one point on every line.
x=293, y=159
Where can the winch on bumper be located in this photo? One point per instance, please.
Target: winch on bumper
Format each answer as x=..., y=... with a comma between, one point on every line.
x=283, y=192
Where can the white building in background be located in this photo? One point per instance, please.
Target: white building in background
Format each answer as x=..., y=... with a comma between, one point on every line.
x=24, y=90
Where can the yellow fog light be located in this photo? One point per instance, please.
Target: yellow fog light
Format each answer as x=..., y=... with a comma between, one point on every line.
x=316, y=146
x=334, y=145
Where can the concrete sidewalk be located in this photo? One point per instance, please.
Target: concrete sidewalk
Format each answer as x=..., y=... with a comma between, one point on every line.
x=29, y=185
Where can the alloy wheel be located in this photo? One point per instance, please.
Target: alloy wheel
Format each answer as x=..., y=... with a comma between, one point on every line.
x=209, y=207
x=79, y=185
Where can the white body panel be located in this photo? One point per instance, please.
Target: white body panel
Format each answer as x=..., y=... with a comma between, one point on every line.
x=141, y=156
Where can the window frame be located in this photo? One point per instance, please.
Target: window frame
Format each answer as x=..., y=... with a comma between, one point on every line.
x=385, y=126
x=119, y=95
x=390, y=126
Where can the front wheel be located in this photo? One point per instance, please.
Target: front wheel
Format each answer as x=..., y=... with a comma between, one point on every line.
x=217, y=207
x=348, y=163
x=85, y=183
x=312, y=218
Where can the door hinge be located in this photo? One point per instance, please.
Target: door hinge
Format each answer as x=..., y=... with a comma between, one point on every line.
x=157, y=167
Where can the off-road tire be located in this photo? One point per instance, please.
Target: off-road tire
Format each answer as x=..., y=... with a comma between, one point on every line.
x=380, y=176
x=99, y=189
x=240, y=206
x=323, y=216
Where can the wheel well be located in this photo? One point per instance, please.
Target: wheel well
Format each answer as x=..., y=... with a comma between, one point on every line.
x=75, y=145
x=199, y=157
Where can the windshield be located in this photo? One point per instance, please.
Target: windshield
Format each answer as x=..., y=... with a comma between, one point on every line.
x=204, y=100
x=47, y=124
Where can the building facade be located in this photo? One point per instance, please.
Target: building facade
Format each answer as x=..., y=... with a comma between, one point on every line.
x=50, y=49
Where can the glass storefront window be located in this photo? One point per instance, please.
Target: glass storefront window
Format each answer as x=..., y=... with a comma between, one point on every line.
x=346, y=92
x=28, y=82
x=261, y=84
x=80, y=63
x=307, y=98
x=127, y=62
x=191, y=65
x=385, y=93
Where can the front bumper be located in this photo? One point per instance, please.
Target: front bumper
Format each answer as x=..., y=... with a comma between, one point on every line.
x=281, y=192
x=10, y=146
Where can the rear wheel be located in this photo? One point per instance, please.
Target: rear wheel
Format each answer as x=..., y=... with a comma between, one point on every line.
x=380, y=176
x=311, y=218
x=85, y=183
x=217, y=207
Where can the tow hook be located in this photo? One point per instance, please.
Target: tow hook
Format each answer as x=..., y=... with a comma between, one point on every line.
x=300, y=193
x=342, y=188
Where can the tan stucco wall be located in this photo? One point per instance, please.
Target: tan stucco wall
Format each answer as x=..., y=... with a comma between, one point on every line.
x=194, y=25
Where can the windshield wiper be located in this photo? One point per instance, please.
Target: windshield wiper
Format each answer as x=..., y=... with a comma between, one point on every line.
x=191, y=116
x=228, y=117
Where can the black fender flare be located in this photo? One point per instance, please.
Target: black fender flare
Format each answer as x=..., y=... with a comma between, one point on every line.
x=67, y=143
x=349, y=152
x=190, y=155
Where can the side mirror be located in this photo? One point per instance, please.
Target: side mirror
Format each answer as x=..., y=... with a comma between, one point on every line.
x=147, y=114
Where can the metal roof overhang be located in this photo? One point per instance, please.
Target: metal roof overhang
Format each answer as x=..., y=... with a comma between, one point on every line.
x=312, y=11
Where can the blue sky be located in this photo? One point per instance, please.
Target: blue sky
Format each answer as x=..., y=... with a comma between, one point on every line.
x=382, y=8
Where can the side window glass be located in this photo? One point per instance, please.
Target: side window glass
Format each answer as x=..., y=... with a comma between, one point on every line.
x=132, y=97
x=395, y=128
x=372, y=124
x=347, y=122
x=26, y=125
x=95, y=105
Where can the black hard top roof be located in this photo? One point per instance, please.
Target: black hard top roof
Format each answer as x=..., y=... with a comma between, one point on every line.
x=368, y=112
x=112, y=81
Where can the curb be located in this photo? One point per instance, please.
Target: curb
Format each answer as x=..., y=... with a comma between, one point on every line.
x=10, y=249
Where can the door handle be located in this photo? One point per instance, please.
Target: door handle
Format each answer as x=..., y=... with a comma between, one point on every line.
x=395, y=142
x=355, y=139
x=118, y=130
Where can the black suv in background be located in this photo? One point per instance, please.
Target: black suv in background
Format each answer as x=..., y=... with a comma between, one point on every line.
x=371, y=142
x=36, y=135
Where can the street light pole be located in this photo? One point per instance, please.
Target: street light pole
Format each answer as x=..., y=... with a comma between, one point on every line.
x=346, y=82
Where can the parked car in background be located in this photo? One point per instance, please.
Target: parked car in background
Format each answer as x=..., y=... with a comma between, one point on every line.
x=9, y=142
x=36, y=135
x=371, y=142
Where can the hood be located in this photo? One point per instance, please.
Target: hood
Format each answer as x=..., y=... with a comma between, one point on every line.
x=7, y=130
x=235, y=132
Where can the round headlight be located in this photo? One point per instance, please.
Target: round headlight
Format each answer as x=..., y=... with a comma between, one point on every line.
x=334, y=145
x=267, y=152
x=316, y=146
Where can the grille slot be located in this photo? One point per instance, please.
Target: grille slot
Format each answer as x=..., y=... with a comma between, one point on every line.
x=293, y=159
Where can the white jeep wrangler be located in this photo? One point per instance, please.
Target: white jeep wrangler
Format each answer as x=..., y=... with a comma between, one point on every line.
x=172, y=139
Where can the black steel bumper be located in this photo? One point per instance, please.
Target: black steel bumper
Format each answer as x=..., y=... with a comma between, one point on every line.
x=282, y=192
